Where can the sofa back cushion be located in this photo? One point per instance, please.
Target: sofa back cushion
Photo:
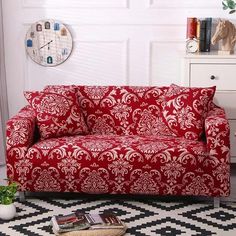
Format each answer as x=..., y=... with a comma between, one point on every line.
x=131, y=110
x=57, y=113
x=125, y=110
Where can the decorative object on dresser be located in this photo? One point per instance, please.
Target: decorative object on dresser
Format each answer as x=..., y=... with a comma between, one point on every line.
x=48, y=42
x=216, y=70
x=198, y=35
x=226, y=32
x=139, y=140
x=192, y=44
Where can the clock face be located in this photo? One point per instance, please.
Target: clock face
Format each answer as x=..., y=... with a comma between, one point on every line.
x=192, y=45
x=48, y=42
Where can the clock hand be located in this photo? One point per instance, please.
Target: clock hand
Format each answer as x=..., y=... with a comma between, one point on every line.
x=46, y=44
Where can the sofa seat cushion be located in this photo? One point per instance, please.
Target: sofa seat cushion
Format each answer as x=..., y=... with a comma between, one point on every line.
x=118, y=164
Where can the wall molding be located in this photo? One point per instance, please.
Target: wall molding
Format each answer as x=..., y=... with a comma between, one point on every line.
x=192, y=4
x=77, y=4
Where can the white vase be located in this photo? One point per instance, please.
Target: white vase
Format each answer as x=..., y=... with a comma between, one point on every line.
x=7, y=212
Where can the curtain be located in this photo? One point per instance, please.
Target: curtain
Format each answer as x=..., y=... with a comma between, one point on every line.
x=3, y=93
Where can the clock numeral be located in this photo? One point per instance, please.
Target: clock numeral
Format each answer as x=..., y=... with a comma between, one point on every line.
x=47, y=25
x=63, y=32
x=39, y=27
x=64, y=51
x=56, y=26
x=49, y=60
x=29, y=43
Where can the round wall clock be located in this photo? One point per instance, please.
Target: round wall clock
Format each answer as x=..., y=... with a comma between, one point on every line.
x=48, y=42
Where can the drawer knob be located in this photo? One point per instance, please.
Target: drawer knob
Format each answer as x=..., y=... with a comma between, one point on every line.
x=213, y=77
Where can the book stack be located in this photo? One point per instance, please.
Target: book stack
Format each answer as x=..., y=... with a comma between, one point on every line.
x=200, y=29
x=87, y=224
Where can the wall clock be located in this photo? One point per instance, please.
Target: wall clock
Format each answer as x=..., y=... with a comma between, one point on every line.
x=48, y=42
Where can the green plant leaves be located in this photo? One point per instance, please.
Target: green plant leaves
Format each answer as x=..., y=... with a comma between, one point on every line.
x=229, y=4
x=7, y=193
x=224, y=5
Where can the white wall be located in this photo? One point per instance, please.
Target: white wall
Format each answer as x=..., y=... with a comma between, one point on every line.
x=3, y=94
x=136, y=42
x=2, y=151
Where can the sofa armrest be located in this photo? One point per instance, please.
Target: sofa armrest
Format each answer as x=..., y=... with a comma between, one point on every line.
x=20, y=130
x=217, y=133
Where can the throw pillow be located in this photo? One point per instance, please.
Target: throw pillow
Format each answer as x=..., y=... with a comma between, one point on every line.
x=122, y=110
x=57, y=114
x=60, y=88
x=185, y=109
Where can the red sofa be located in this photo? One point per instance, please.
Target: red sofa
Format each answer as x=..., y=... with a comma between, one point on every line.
x=120, y=140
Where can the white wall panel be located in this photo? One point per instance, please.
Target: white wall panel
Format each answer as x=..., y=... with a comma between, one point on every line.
x=134, y=42
x=75, y=3
x=165, y=70
x=91, y=63
x=198, y=4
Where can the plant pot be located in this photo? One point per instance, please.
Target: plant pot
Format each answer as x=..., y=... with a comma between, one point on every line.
x=7, y=212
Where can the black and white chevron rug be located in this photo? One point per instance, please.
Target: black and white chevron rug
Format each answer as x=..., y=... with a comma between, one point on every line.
x=144, y=216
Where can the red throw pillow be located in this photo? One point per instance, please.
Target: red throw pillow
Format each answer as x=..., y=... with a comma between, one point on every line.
x=60, y=88
x=122, y=110
x=58, y=114
x=185, y=109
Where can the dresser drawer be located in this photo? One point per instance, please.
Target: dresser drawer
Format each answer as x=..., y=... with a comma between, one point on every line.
x=224, y=76
x=227, y=100
x=232, y=124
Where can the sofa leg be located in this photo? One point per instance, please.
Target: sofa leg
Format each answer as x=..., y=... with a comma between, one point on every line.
x=216, y=202
x=22, y=196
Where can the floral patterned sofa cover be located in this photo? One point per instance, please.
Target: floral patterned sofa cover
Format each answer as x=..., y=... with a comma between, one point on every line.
x=120, y=140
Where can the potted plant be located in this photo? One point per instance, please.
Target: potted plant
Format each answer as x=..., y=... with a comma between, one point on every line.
x=229, y=5
x=7, y=196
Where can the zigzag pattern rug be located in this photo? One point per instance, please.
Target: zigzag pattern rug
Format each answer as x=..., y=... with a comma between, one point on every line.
x=143, y=216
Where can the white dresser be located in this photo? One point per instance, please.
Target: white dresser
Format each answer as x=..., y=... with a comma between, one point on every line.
x=209, y=69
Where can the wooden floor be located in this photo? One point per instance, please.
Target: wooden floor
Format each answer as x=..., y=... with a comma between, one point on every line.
x=231, y=198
